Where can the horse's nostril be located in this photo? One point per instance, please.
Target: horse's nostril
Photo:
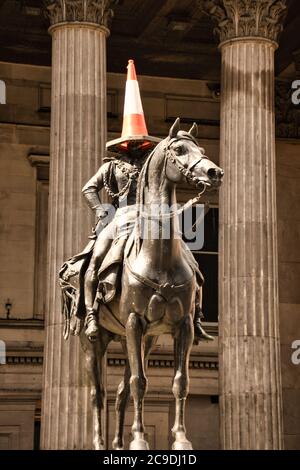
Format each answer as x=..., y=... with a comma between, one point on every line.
x=212, y=173
x=215, y=173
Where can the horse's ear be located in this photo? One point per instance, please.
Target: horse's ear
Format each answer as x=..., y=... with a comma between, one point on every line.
x=174, y=129
x=194, y=130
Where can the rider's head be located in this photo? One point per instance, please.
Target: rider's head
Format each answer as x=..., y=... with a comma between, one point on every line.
x=134, y=152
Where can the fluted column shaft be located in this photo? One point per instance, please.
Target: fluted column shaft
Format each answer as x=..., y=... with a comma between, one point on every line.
x=78, y=136
x=249, y=346
x=250, y=383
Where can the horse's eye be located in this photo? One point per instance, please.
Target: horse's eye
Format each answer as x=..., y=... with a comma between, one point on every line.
x=179, y=150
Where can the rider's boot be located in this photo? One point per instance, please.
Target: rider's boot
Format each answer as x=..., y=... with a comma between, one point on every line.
x=200, y=333
x=91, y=323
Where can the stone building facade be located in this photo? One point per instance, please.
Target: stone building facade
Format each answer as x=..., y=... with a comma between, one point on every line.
x=245, y=388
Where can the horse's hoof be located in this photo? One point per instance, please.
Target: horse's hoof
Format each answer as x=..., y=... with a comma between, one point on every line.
x=99, y=445
x=139, y=444
x=182, y=445
x=117, y=445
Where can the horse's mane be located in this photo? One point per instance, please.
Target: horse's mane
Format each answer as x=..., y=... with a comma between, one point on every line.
x=143, y=176
x=142, y=183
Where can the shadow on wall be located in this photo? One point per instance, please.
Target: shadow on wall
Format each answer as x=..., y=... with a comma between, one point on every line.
x=2, y=92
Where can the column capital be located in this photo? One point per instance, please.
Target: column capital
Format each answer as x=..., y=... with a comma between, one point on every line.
x=246, y=18
x=98, y=12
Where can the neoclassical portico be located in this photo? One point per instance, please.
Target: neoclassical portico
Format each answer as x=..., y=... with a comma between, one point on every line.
x=250, y=383
x=249, y=354
x=178, y=66
x=78, y=135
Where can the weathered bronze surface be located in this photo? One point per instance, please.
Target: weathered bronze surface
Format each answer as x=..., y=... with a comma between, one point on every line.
x=156, y=291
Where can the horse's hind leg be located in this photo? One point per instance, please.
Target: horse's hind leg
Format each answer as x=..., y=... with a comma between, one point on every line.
x=182, y=347
x=94, y=353
x=123, y=394
x=138, y=380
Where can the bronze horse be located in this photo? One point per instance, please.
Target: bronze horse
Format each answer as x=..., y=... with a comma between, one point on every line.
x=157, y=293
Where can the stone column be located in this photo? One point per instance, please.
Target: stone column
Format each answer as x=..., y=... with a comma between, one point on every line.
x=78, y=135
x=249, y=355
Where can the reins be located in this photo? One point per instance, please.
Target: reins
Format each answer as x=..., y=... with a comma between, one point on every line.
x=187, y=173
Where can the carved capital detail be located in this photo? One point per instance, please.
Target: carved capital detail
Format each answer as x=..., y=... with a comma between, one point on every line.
x=88, y=11
x=246, y=18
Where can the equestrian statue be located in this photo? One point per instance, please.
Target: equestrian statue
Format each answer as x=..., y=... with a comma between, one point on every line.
x=128, y=285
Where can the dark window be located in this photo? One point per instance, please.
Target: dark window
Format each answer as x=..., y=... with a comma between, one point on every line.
x=211, y=230
x=208, y=264
x=214, y=399
x=207, y=259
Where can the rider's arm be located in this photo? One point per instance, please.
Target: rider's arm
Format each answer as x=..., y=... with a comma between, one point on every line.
x=92, y=188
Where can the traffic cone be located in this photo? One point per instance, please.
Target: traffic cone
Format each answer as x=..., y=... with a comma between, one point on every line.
x=134, y=131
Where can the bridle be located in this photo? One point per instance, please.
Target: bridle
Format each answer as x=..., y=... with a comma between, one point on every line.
x=185, y=171
x=188, y=175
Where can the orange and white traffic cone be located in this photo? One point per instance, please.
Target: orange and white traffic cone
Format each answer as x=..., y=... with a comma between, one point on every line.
x=134, y=131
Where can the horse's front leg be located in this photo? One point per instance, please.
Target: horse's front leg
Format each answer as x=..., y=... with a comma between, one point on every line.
x=123, y=394
x=122, y=399
x=138, y=380
x=182, y=348
x=94, y=354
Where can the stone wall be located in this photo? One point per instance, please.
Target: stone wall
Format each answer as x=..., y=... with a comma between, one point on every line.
x=288, y=204
x=22, y=130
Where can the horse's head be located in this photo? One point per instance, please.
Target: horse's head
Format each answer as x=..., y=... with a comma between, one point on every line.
x=186, y=161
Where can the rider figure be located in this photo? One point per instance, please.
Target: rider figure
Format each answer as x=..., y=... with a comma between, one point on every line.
x=119, y=177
